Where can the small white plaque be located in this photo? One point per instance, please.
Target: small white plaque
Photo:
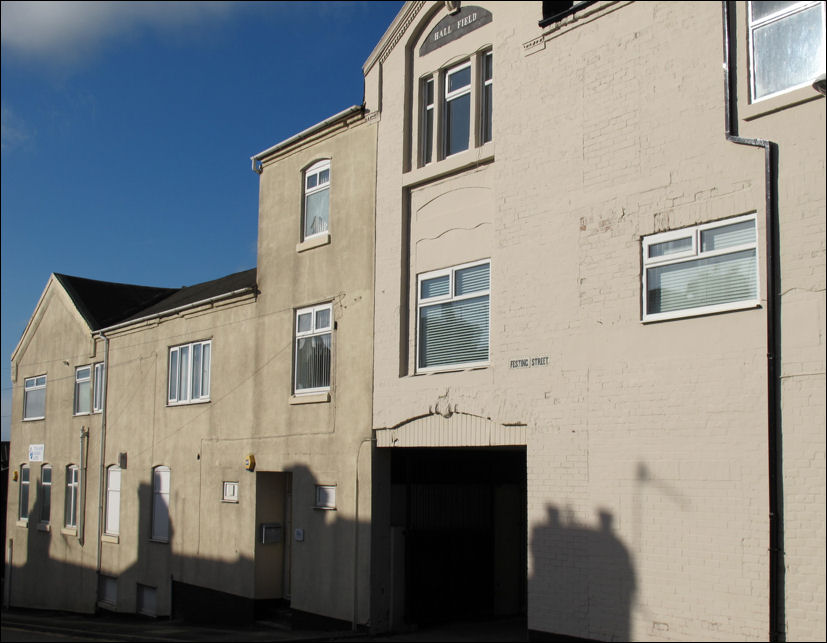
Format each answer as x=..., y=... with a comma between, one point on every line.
x=36, y=452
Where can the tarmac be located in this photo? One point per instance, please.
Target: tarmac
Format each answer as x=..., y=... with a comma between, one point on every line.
x=108, y=626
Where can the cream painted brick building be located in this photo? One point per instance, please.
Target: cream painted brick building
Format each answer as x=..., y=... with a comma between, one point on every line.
x=644, y=435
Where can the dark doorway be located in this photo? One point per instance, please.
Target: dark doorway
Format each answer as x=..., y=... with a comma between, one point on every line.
x=461, y=518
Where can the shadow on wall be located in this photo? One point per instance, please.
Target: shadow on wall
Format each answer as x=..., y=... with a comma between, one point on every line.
x=161, y=581
x=583, y=581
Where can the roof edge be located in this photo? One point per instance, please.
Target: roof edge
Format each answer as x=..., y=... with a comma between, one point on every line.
x=345, y=113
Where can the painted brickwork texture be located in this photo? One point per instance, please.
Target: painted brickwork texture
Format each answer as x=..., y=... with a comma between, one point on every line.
x=646, y=444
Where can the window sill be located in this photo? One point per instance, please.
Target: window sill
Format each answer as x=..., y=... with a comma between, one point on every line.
x=313, y=242
x=69, y=531
x=159, y=541
x=110, y=538
x=34, y=419
x=310, y=398
x=460, y=368
x=44, y=526
x=22, y=523
x=78, y=415
x=320, y=508
x=778, y=102
x=458, y=162
x=174, y=404
x=700, y=312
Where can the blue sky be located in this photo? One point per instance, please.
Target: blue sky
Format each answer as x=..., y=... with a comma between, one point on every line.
x=127, y=131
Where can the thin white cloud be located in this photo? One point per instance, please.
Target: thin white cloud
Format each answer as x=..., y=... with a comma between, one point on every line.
x=66, y=31
x=14, y=130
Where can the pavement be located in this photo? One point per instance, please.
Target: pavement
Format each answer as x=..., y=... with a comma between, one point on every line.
x=108, y=626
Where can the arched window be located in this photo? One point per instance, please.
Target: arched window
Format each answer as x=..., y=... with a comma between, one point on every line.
x=70, y=506
x=160, y=504
x=45, y=493
x=23, y=508
x=316, y=216
x=112, y=523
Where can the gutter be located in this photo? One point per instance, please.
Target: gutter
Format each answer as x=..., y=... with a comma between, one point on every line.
x=773, y=267
x=172, y=311
x=256, y=160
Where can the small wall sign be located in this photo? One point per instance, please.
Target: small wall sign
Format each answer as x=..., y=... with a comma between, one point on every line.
x=36, y=452
x=528, y=362
x=455, y=26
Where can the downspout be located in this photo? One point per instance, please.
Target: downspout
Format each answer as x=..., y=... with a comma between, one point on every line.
x=102, y=471
x=84, y=435
x=773, y=268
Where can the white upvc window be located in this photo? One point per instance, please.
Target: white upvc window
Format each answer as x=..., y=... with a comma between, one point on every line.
x=487, y=117
x=426, y=128
x=23, y=498
x=325, y=496
x=453, y=317
x=112, y=522
x=189, y=373
x=704, y=269
x=160, y=503
x=83, y=390
x=314, y=327
x=97, y=396
x=456, y=108
x=316, y=215
x=34, y=398
x=45, y=494
x=457, y=112
x=71, y=499
x=786, y=43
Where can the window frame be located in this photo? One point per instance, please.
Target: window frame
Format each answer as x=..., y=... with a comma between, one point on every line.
x=79, y=382
x=316, y=169
x=160, y=532
x=693, y=254
x=448, y=298
x=176, y=399
x=72, y=497
x=113, y=496
x=23, y=493
x=36, y=385
x=447, y=97
x=777, y=16
x=428, y=120
x=313, y=332
x=486, y=126
x=46, y=494
x=98, y=387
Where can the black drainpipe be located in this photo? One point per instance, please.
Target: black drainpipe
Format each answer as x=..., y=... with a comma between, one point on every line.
x=776, y=615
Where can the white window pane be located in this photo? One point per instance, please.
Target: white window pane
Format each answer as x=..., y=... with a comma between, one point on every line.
x=313, y=362
x=322, y=319
x=113, y=500
x=183, y=373
x=317, y=206
x=454, y=332
x=472, y=279
x=670, y=247
x=160, y=504
x=196, y=371
x=728, y=236
x=312, y=179
x=34, y=404
x=324, y=177
x=458, y=124
x=205, y=374
x=702, y=282
x=788, y=52
x=459, y=79
x=304, y=323
x=761, y=10
x=83, y=392
x=435, y=287
x=173, y=375
x=97, y=404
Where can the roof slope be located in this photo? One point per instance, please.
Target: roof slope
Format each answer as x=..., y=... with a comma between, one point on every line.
x=103, y=303
x=245, y=280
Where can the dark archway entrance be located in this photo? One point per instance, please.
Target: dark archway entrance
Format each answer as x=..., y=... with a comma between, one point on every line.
x=459, y=515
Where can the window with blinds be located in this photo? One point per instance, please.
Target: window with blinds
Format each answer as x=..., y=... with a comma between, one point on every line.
x=312, y=355
x=704, y=269
x=453, y=317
